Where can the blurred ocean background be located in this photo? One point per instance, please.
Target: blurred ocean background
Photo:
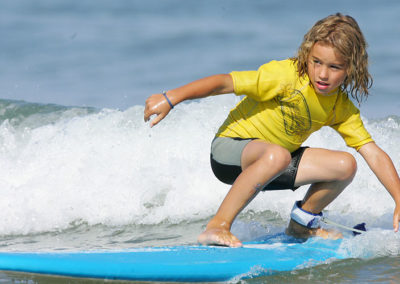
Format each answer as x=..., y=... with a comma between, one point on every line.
x=80, y=170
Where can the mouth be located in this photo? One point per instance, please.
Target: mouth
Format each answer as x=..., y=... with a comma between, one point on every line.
x=322, y=85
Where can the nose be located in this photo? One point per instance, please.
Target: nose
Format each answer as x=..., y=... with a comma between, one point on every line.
x=323, y=73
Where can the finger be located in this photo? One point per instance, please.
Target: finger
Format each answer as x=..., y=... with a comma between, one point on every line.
x=157, y=119
x=396, y=222
x=147, y=114
x=149, y=108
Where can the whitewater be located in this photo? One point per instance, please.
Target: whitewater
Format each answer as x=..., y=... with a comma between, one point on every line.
x=63, y=166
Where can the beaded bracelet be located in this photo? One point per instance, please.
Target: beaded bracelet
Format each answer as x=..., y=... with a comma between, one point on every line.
x=169, y=102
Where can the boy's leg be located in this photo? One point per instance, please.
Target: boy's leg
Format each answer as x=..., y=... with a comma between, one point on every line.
x=328, y=172
x=261, y=162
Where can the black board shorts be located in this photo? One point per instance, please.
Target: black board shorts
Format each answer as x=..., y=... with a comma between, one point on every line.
x=225, y=162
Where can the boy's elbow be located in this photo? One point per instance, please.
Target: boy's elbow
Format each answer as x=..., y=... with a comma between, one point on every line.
x=225, y=84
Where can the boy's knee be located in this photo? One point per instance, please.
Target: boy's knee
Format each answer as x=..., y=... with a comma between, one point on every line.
x=277, y=156
x=347, y=166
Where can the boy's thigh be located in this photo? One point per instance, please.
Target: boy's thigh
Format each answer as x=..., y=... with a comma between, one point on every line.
x=226, y=154
x=323, y=165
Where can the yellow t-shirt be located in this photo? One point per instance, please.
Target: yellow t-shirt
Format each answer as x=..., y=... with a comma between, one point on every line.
x=284, y=109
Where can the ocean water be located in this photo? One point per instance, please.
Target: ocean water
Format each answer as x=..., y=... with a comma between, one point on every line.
x=81, y=170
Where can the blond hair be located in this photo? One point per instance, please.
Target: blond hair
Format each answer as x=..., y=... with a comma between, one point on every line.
x=344, y=35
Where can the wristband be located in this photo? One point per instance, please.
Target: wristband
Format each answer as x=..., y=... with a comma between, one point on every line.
x=169, y=102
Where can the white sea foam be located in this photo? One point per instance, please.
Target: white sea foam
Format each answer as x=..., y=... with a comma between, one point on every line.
x=374, y=243
x=111, y=168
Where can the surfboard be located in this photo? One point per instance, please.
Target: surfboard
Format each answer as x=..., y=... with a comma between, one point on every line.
x=180, y=263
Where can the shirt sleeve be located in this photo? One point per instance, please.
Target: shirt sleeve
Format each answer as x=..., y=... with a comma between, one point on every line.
x=348, y=122
x=264, y=83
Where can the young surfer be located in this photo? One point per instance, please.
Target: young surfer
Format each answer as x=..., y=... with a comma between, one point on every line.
x=259, y=146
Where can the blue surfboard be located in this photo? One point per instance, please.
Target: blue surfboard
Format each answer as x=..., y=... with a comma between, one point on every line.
x=179, y=263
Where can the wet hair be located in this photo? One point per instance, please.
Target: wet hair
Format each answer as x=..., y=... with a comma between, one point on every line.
x=345, y=36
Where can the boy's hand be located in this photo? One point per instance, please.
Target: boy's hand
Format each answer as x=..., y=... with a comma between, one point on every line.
x=158, y=105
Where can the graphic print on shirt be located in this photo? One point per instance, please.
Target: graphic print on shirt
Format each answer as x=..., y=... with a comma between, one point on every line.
x=295, y=112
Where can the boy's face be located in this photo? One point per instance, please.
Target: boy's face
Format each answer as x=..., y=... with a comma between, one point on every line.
x=325, y=68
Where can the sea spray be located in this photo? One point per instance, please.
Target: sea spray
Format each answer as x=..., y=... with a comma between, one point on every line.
x=370, y=244
x=108, y=167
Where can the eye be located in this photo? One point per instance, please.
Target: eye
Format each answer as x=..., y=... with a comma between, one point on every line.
x=336, y=67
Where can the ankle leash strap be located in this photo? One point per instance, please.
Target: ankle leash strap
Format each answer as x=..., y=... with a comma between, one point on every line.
x=305, y=218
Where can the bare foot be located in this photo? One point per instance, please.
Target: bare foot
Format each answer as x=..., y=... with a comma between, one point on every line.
x=298, y=231
x=328, y=234
x=218, y=236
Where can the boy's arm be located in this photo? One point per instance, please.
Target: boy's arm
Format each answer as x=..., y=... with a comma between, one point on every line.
x=214, y=85
x=381, y=164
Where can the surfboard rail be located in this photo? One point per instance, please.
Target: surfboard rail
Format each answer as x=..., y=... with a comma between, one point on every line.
x=177, y=263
